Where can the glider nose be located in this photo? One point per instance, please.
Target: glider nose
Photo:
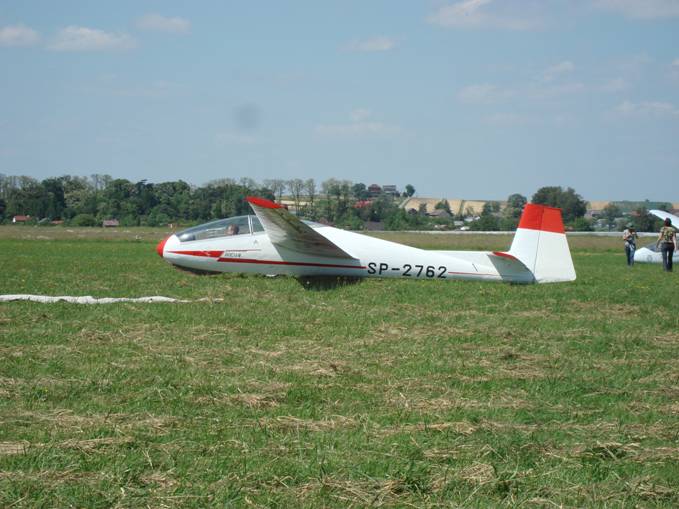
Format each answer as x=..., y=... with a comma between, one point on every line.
x=161, y=246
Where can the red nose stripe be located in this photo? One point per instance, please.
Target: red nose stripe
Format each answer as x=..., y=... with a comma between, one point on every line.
x=161, y=246
x=208, y=254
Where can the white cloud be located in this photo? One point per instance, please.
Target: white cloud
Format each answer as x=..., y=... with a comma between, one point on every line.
x=674, y=69
x=357, y=129
x=614, y=85
x=232, y=138
x=484, y=93
x=490, y=94
x=545, y=92
x=360, y=125
x=18, y=35
x=372, y=45
x=159, y=23
x=486, y=14
x=641, y=9
x=360, y=114
x=554, y=71
x=647, y=109
x=155, y=90
x=74, y=38
x=510, y=120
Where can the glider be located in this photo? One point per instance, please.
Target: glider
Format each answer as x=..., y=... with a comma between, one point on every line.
x=274, y=241
x=651, y=252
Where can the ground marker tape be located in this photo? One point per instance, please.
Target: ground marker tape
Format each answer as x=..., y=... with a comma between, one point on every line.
x=88, y=299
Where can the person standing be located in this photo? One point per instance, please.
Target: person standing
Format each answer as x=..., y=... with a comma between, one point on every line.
x=630, y=237
x=667, y=241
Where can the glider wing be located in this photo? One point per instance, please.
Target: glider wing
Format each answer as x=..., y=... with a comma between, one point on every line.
x=665, y=215
x=287, y=231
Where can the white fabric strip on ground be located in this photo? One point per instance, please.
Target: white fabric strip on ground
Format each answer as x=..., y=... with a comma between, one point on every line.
x=88, y=299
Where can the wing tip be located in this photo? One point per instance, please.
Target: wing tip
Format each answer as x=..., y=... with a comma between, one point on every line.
x=263, y=202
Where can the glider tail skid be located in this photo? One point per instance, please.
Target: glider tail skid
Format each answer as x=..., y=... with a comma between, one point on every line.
x=540, y=245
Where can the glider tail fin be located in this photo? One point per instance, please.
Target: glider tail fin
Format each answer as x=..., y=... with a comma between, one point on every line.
x=540, y=244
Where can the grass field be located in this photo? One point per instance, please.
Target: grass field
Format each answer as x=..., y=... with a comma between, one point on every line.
x=384, y=393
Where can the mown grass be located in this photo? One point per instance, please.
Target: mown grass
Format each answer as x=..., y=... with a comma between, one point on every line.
x=385, y=393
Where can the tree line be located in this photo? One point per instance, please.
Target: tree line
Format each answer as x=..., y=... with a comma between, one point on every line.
x=87, y=201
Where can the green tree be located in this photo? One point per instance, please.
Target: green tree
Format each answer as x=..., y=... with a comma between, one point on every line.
x=645, y=222
x=359, y=191
x=582, y=224
x=410, y=190
x=571, y=204
x=610, y=213
x=512, y=212
x=487, y=222
x=84, y=220
x=516, y=201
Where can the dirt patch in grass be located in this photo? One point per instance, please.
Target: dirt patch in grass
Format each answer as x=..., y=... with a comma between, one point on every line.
x=92, y=444
x=9, y=448
x=603, y=309
x=667, y=339
x=66, y=420
x=414, y=334
x=250, y=400
x=648, y=488
x=445, y=403
x=478, y=473
x=460, y=427
x=358, y=493
x=159, y=480
x=52, y=477
x=88, y=445
x=290, y=423
x=266, y=353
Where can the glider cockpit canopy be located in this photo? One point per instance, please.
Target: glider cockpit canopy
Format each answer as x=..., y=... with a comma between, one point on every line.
x=222, y=228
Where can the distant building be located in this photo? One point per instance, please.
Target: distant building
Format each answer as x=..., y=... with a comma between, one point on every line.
x=390, y=189
x=361, y=204
x=374, y=190
x=458, y=207
x=595, y=209
x=110, y=223
x=20, y=219
x=439, y=213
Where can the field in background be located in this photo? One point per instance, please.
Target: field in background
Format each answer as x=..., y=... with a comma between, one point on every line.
x=425, y=240
x=384, y=393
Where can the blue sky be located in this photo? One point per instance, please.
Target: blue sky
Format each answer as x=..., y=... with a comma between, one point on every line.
x=473, y=98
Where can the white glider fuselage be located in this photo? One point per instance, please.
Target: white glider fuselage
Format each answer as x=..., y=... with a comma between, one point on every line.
x=651, y=254
x=273, y=241
x=255, y=253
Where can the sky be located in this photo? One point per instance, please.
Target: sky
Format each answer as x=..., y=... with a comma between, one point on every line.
x=475, y=99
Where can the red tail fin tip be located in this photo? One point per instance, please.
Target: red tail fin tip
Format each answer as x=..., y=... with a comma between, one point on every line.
x=541, y=217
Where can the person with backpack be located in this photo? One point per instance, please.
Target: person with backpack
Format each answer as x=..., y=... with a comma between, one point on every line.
x=667, y=242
